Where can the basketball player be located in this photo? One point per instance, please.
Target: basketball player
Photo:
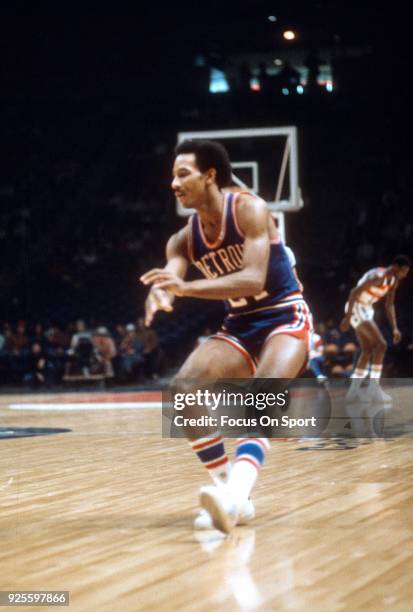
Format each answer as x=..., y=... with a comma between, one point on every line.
x=233, y=241
x=373, y=286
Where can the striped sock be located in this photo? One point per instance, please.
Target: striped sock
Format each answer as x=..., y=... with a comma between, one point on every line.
x=211, y=452
x=376, y=371
x=249, y=458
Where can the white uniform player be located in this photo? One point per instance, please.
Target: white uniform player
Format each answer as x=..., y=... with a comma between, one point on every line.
x=363, y=307
x=373, y=286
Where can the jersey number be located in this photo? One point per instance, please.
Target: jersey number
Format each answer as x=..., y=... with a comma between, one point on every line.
x=239, y=302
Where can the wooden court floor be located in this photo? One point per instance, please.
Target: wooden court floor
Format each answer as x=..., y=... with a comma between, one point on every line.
x=105, y=511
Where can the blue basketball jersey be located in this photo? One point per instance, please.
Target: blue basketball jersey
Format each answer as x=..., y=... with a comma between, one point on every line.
x=225, y=256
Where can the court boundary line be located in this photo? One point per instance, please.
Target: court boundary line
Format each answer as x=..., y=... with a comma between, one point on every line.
x=89, y=406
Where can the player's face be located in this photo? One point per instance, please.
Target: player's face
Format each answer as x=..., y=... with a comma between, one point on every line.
x=402, y=272
x=189, y=183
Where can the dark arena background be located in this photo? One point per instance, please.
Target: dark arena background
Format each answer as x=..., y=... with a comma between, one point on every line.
x=312, y=100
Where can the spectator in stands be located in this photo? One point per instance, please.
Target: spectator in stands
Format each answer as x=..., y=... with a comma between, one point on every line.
x=106, y=349
x=82, y=353
x=332, y=332
x=16, y=349
x=18, y=342
x=118, y=336
x=331, y=360
x=131, y=354
x=348, y=357
x=82, y=332
x=120, y=333
x=39, y=370
x=7, y=333
x=2, y=340
x=38, y=335
x=339, y=361
x=58, y=340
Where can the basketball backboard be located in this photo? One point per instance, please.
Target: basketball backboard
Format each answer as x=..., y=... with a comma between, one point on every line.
x=264, y=161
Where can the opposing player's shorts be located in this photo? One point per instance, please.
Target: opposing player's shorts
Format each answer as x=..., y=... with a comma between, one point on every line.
x=250, y=332
x=360, y=313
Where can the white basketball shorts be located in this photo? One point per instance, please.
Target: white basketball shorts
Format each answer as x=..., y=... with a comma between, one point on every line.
x=360, y=313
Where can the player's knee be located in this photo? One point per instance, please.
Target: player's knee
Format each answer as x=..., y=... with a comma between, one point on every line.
x=207, y=370
x=380, y=346
x=366, y=352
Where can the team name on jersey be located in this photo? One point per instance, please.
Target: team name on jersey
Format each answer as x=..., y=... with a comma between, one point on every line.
x=222, y=261
x=225, y=256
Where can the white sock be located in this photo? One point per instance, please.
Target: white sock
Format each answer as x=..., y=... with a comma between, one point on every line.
x=222, y=477
x=376, y=370
x=242, y=480
x=250, y=456
x=357, y=378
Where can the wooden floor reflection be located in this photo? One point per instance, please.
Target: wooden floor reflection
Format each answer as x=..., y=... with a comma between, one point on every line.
x=105, y=511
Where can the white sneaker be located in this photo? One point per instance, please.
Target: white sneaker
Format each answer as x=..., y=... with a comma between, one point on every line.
x=358, y=395
x=377, y=394
x=221, y=508
x=246, y=513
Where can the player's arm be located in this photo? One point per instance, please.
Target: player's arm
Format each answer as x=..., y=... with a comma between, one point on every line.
x=391, y=314
x=177, y=264
x=250, y=281
x=353, y=297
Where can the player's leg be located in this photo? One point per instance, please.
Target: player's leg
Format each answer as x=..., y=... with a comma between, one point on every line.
x=379, y=347
x=366, y=343
x=213, y=360
x=378, y=351
x=217, y=358
x=282, y=357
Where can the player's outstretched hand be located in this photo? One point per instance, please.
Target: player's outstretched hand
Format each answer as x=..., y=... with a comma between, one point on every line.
x=157, y=299
x=397, y=336
x=345, y=324
x=164, y=279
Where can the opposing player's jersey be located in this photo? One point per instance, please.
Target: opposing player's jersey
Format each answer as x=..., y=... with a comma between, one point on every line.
x=374, y=293
x=225, y=256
